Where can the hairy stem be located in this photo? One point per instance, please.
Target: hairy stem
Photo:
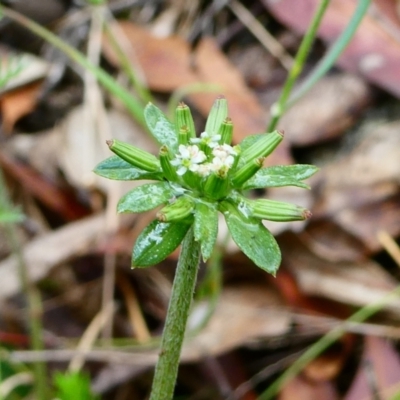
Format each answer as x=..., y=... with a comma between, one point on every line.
x=178, y=311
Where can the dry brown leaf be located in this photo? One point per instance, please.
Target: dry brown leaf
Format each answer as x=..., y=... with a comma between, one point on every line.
x=51, y=195
x=331, y=242
x=49, y=250
x=327, y=110
x=82, y=147
x=381, y=363
x=302, y=389
x=243, y=314
x=17, y=103
x=356, y=283
x=360, y=191
x=165, y=62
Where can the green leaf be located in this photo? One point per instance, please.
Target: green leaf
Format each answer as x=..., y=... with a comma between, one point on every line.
x=281, y=175
x=206, y=227
x=116, y=168
x=157, y=241
x=145, y=197
x=253, y=238
x=162, y=129
x=73, y=386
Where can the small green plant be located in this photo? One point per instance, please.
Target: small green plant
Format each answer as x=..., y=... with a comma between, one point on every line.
x=73, y=386
x=196, y=177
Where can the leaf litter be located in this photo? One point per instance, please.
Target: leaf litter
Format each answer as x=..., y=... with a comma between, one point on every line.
x=335, y=260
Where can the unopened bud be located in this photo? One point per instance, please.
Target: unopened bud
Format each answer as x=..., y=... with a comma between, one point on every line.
x=165, y=161
x=226, y=131
x=244, y=173
x=279, y=211
x=216, y=186
x=180, y=209
x=263, y=147
x=134, y=156
x=218, y=114
x=183, y=117
x=183, y=135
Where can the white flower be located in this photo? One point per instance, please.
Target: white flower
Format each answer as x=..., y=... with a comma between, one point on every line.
x=223, y=151
x=188, y=158
x=207, y=139
x=204, y=169
x=223, y=158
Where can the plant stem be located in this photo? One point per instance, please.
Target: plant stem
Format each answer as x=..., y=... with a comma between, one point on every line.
x=327, y=340
x=175, y=325
x=333, y=53
x=279, y=108
x=33, y=300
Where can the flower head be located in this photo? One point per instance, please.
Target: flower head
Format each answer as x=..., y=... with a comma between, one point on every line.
x=188, y=158
x=207, y=139
x=197, y=177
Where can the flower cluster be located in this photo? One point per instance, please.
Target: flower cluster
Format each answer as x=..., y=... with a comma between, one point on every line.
x=198, y=177
x=191, y=158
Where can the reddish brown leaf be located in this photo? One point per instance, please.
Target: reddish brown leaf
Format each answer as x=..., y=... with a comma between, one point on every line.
x=357, y=283
x=17, y=103
x=301, y=389
x=379, y=370
x=50, y=195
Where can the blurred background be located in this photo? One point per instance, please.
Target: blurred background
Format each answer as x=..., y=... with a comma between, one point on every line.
x=65, y=254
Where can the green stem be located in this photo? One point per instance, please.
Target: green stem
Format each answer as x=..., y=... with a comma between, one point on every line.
x=134, y=77
x=327, y=340
x=279, y=108
x=178, y=311
x=133, y=105
x=334, y=52
x=34, y=304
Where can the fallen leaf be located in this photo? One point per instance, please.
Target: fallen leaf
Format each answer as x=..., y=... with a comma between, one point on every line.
x=332, y=242
x=302, y=389
x=18, y=103
x=55, y=198
x=243, y=313
x=60, y=245
x=327, y=110
x=379, y=370
x=356, y=283
x=360, y=191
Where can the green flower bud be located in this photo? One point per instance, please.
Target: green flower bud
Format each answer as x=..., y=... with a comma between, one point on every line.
x=180, y=209
x=183, y=135
x=134, y=156
x=226, y=131
x=192, y=180
x=218, y=114
x=279, y=211
x=183, y=117
x=165, y=161
x=237, y=150
x=244, y=173
x=216, y=186
x=263, y=147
